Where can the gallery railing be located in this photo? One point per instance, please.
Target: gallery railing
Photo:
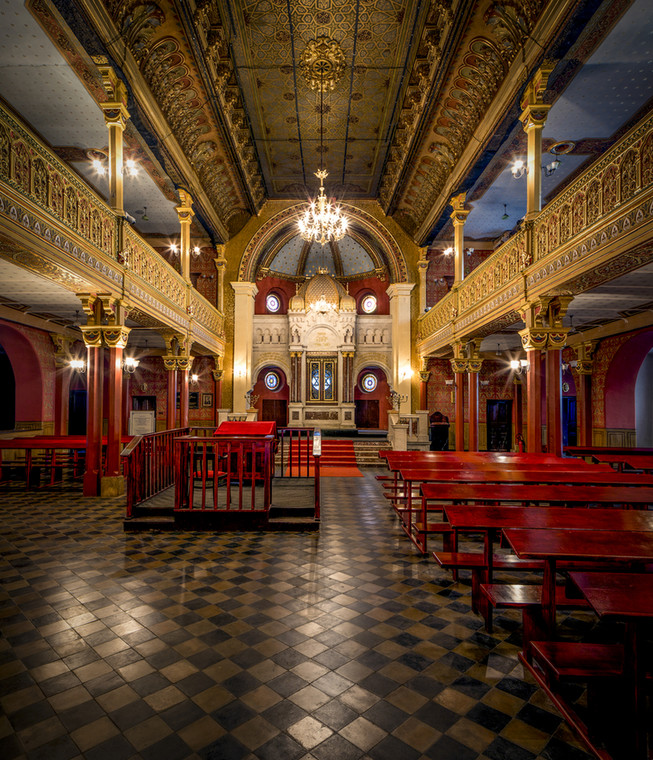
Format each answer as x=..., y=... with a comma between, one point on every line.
x=604, y=213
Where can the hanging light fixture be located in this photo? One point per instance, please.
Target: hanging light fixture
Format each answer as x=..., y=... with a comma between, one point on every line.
x=323, y=220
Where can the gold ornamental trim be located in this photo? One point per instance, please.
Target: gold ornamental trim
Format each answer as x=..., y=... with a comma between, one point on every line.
x=322, y=64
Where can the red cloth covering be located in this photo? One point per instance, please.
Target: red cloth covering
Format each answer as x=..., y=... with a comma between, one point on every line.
x=247, y=428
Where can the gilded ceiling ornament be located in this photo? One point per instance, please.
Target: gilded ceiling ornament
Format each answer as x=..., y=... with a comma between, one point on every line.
x=322, y=63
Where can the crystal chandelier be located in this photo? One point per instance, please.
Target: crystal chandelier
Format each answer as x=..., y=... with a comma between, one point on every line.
x=323, y=221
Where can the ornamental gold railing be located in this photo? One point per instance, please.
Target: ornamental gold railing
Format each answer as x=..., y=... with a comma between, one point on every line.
x=45, y=197
x=610, y=199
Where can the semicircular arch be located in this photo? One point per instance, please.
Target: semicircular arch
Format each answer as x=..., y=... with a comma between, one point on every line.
x=275, y=231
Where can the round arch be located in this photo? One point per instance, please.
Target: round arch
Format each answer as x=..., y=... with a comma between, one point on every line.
x=27, y=372
x=276, y=229
x=621, y=379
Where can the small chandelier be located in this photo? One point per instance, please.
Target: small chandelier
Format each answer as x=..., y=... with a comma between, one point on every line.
x=322, y=221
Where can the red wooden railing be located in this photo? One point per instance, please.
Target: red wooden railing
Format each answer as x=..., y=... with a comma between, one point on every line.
x=149, y=465
x=224, y=474
x=295, y=452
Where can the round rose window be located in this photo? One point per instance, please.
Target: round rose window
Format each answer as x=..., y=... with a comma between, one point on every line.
x=272, y=381
x=369, y=304
x=368, y=382
x=273, y=303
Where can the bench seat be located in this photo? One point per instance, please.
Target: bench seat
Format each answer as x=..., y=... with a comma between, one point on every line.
x=578, y=661
x=519, y=595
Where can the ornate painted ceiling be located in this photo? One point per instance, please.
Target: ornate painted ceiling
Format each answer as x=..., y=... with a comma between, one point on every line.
x=404, y=101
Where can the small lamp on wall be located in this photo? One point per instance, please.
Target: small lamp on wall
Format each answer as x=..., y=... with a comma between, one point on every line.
x=79, y=365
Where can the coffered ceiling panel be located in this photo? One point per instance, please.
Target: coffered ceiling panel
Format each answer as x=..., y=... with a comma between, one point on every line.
x=364, y=54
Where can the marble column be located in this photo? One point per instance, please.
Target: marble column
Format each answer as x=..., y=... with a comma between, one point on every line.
x=243, y=342
x=94, y=388
x=459, y=367
x=170, y=364
x=553, y=361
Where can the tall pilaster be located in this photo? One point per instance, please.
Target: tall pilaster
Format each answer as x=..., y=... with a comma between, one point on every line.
x=422, y=269
x=584, y=369
x=533, y=118
x=220, y=263
x=185, y=214
x=115, y=116
x=62, y=348
x=116, y=340
x=399, y=294
x=217, y=375
x=243, y=341
x=458, y=217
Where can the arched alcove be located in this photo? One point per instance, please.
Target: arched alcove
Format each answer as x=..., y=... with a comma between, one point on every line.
x=7, y=392
x=28, y=376
x=644, y=402
x=620, y=388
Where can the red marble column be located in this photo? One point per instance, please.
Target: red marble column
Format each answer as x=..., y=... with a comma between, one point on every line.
x=517, y=414
x=126, y=403
x=424, y=389
x=115, y=411
x=472, y=384
x=171, y=407
x=183, y=397
x=460, y=410
x=554, y=401
x=217, y=393
x=584, y=408
x=94, y=383
x=534, y=402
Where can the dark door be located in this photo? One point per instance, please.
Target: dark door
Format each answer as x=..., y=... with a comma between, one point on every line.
x=499, y=425
x=77, y=413
x=275, y=410
x=367, y=414
x=7, y=393
x=569, y=437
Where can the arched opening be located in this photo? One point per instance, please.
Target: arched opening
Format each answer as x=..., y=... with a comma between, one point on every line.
x=371, y=399
x=623, y=416
x=7, y=393
x=28, y=378
x=273, y=394
x=644, y=402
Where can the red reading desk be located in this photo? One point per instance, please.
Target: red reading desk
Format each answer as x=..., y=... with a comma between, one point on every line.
x=592, y=545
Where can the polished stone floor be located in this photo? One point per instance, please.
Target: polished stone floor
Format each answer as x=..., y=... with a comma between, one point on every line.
x=335, y=645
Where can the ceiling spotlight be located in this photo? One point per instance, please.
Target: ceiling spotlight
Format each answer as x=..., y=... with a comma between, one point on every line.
x=505, y=212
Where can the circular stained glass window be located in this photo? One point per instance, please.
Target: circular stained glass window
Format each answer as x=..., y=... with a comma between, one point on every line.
x=272, y=381
x=368, y=382
x=369, y=304
x=273, y=303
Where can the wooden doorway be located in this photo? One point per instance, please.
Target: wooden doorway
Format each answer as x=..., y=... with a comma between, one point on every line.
x=499, y=425
x=367, y=414
x=275, y=410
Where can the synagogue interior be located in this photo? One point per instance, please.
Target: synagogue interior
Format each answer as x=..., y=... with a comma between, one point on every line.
x=292, y=293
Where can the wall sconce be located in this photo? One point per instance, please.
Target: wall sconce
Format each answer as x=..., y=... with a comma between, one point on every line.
x=194, y=378
x=239, y=371
x=550, y=168
x=564, y=366
x=79, y=365
x=448, y=251
x=195, y=250
x=519, y=365
x=100, y=158
x=406, y=374
x=519, y=168
x=130, y=364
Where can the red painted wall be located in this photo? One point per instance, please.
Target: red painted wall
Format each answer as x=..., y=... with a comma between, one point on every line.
x=285, y=289
x=620, y=380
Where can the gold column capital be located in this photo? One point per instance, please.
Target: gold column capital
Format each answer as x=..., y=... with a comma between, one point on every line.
x=170, y=363
x=217, y=375
x=534, y=109
x=458, y=366
x=424, y=376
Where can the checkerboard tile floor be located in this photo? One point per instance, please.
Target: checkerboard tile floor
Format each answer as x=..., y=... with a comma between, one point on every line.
x=336, y=645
